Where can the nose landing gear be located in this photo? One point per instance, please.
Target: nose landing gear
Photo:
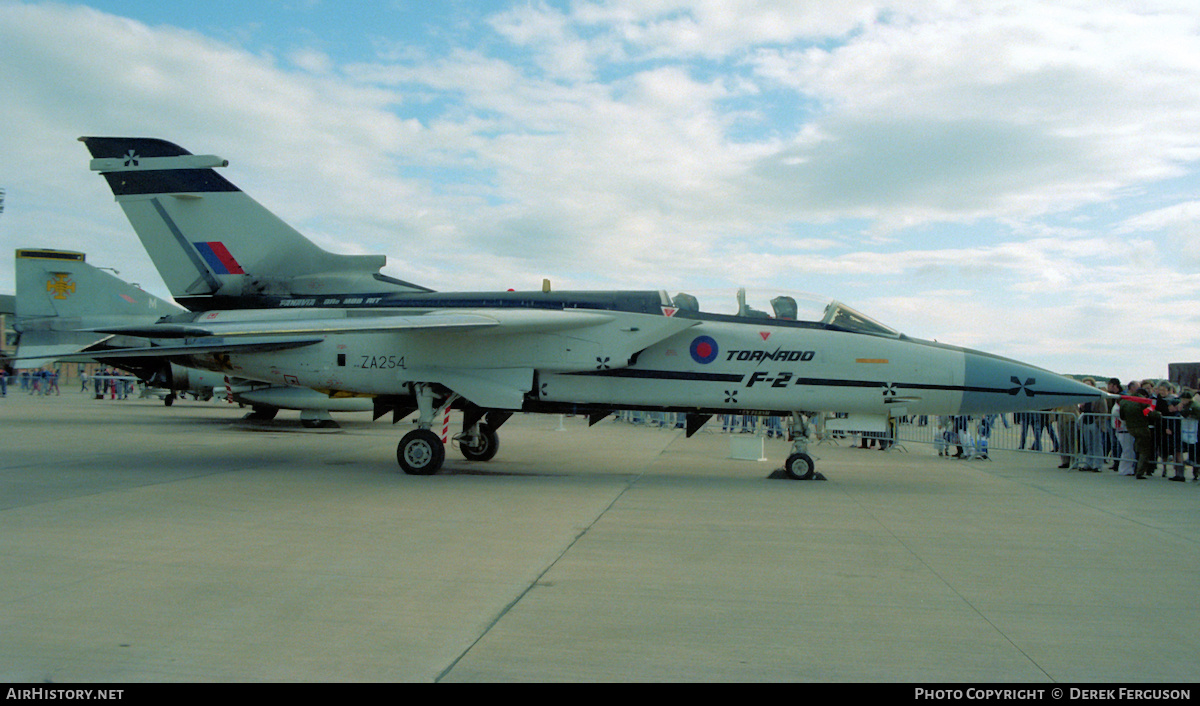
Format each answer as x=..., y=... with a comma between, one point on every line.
x=800, y=466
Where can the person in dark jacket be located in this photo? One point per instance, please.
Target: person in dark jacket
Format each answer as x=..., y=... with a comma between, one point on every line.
x=1139, y=417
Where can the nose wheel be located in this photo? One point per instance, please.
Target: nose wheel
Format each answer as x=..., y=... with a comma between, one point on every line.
x=420, y=452
x=800, y=466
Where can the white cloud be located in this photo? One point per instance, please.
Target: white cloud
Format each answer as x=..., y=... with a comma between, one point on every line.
x=714, y=28
x=1041, y=107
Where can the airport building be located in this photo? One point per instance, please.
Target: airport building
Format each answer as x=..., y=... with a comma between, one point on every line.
x=1184, y=374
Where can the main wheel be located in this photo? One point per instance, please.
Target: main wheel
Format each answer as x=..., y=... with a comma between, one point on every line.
x=487, y=443
x=800, y=467
x=420, y=452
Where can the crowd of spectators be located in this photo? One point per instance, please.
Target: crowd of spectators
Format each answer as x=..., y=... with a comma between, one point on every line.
x=1145, y=428
x=108, y=382
x=1142, y=428
x=1159, y=421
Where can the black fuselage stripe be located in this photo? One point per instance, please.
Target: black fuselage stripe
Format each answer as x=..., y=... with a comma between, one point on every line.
x=641, y=374
x=662, y=375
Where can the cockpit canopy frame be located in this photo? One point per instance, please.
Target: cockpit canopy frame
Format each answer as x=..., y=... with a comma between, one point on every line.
x=784, y=309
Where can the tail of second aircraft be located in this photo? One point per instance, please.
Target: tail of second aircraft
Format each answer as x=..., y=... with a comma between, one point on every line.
x=213, y=244
x=58, y=294
x=59, y=284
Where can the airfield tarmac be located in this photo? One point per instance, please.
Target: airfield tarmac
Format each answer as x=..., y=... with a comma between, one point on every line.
x=150, y=544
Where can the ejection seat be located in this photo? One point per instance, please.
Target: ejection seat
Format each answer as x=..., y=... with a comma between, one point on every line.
x=686, y=302
x=785, y=308
x=747, y=311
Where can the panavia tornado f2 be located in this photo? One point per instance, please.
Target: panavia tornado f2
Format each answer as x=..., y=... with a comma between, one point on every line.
x=267, y=304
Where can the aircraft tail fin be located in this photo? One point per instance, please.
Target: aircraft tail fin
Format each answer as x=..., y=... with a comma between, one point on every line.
x=58, y=294
x=59, y=284
x=209, y=239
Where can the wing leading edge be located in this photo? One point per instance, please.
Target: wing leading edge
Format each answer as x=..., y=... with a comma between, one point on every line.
x=200, y=347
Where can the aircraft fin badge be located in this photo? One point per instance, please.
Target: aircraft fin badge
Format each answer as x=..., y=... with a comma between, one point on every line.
x=61, y=286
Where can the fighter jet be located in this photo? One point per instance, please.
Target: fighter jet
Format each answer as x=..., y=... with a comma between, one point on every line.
x=266, y=303
x=61, y=300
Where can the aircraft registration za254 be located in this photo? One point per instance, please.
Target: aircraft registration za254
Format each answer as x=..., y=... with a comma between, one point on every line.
x=267, y=304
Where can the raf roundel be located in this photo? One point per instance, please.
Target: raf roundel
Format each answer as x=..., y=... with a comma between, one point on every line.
x=704, y=349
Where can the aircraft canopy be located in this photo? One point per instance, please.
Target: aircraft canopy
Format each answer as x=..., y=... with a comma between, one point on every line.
x=789, y=306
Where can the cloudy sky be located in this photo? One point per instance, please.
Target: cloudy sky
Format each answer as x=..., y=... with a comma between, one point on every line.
x=1017, y=177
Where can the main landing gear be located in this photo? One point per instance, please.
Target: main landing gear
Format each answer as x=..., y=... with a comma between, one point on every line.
x=481, y=444
x=421, y=452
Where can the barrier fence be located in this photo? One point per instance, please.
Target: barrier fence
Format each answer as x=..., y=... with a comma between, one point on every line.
x=1082, y=440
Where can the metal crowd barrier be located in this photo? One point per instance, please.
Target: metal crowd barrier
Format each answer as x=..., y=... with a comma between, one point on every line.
x=1035, y=432
x=1082, y=440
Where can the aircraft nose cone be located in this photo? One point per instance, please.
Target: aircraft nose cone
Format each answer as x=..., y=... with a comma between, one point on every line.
x=994, y=384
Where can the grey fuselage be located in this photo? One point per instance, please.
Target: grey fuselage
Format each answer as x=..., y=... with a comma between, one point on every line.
x=694, y=362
